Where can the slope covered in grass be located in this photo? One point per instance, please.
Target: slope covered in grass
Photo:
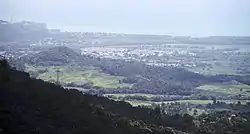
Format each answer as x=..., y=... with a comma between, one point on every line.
x=231, y=87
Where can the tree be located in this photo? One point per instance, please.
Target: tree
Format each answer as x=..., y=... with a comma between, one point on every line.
x=248, y=103
x=4, y=70
x=195, y=112
x=162, y=104
x=214, y=100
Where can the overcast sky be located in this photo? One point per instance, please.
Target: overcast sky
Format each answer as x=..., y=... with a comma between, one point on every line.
x=173, y=17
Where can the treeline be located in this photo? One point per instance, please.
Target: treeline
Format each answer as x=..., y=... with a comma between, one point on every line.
x=160, y=98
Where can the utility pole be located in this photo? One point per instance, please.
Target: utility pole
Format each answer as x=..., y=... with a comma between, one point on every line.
x=57, y=76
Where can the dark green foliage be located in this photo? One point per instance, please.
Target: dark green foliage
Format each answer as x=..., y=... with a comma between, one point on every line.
x=54, y=56
x=224, y=123
x=34, y=106
x=172, y=80
x=4, y=71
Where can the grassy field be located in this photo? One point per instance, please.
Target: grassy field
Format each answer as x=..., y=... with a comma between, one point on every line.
x=140, y=103
x=191, y=101
x=214, y=70
x=135, y=94
x=208, y=101
x=78, y=88
x=148, y=103
x=228, y=88
x=104, y=80
x=79, y=75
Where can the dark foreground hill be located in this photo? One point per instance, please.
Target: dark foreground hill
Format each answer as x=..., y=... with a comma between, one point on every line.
x=34, y=106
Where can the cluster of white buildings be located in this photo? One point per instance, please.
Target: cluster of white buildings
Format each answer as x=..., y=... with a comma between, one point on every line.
x=151, y=54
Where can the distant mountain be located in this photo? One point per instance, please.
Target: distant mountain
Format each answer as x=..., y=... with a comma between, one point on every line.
x=27, y=30
x=4, y=22
x=24, y=30
x=2, y=48
x=220, y=40
x=55, y=56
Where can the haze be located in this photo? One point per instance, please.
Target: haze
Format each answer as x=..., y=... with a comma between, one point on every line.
x=172, y=17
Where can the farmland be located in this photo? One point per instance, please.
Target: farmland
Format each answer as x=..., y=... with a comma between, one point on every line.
x=149, y=103
x=78, y=75
x=228, y=88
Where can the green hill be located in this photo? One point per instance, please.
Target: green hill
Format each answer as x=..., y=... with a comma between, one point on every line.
x=60, y=55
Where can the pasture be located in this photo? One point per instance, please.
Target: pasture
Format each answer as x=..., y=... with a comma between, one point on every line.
x=83, y=75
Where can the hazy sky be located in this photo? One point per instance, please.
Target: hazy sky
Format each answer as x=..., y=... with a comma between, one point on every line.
x=174, y=17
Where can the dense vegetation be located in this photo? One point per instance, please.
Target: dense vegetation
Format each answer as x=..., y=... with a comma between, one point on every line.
x=34, y=106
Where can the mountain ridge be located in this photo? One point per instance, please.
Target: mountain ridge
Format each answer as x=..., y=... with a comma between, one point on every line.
x=28, y=30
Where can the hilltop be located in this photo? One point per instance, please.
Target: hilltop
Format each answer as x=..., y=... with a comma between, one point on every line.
x=60, y=55
x=25, y=30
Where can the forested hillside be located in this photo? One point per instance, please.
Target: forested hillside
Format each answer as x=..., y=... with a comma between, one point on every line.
x=34, y=106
